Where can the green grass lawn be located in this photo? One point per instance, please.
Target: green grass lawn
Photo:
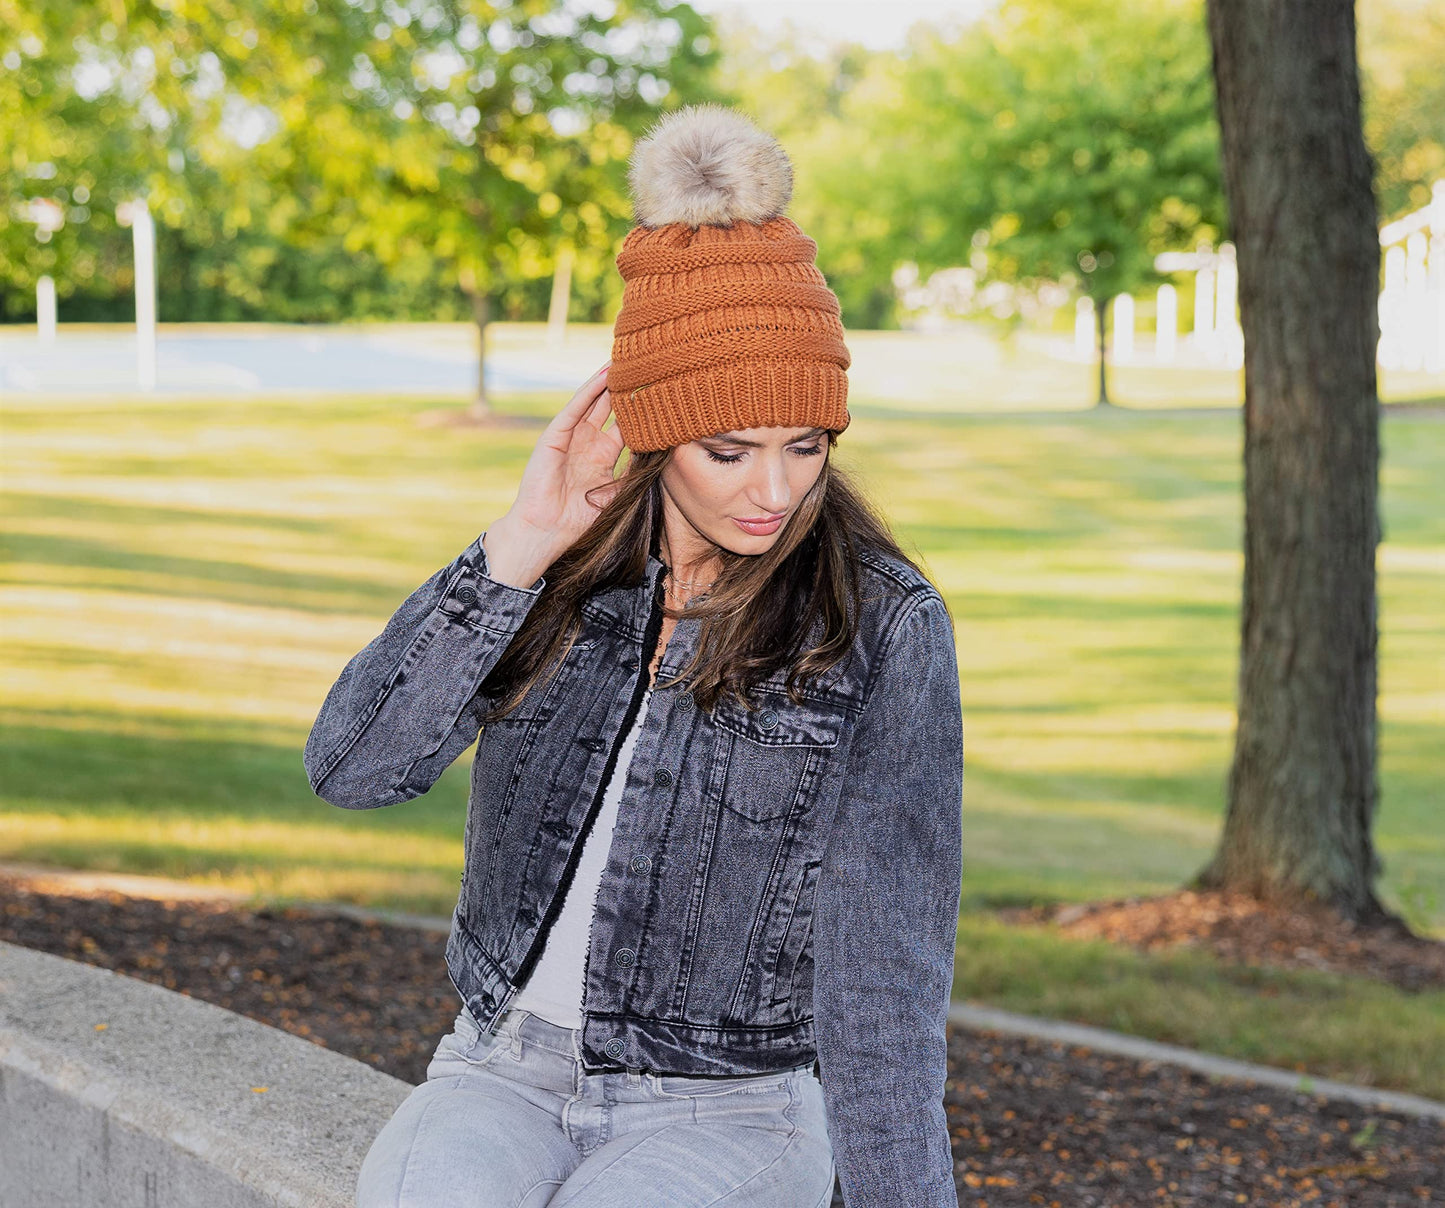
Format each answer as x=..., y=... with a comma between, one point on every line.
x=185, y=578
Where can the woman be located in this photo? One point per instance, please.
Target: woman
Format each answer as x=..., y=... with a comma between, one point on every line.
x=714, y=831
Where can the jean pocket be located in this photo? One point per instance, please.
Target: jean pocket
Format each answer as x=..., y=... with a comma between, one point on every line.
x=467, y=1045
x=682, y=1086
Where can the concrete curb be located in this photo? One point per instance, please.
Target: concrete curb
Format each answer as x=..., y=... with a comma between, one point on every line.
x=117, y=1092
x=963, y=1014
x=1123, y=1045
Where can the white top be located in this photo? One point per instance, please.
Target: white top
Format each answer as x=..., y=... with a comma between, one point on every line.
x=554, y=989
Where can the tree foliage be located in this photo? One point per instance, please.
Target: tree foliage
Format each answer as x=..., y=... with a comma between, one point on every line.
x=1402, y=54
x=1083, y=141
x=316, y=160
x=290, y=142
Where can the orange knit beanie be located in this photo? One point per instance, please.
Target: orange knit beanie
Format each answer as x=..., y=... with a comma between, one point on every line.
x=726, y=322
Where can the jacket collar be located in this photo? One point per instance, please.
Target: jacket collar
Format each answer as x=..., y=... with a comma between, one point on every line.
x=632, y=605
x=655, y=567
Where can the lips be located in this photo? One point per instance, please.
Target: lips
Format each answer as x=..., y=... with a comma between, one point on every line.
x=760, y=528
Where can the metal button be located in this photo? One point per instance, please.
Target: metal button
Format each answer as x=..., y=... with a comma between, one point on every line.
x=639, y=864
x=767, y=719
x=467, y=594
x=662, y=777
x=625, y=956
x=613, y=1048
x=685, y=701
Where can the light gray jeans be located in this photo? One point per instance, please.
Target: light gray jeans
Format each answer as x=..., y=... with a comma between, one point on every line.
x=512, y=1120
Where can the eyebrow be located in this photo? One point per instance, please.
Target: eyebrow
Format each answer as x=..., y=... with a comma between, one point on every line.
x=757, y=444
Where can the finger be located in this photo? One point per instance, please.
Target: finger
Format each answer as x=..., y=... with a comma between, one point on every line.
x=601, y=407
x=579, y=404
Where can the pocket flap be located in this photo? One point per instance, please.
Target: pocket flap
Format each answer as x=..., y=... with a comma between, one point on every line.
x=779, y=722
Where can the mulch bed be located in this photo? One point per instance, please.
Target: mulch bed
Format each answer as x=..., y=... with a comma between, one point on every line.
x=1033, y=1122
x=1246, y=931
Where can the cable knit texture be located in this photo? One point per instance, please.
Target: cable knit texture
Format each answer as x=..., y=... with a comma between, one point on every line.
x=724, y=325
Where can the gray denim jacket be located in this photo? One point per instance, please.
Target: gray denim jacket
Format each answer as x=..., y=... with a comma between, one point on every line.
x=783, y=884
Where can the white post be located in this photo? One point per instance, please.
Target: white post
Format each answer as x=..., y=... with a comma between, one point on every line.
x=136, y=215
x=48, y=215
x=1435, y=344
x=1121, y=339
x=1204, y=309
x=561, y=294
x=145, y=297
x=1415, y=302
x=1226, y=303
x=1086, y=340
x=1412, y=303
x=1166, y=324
x=45, y=309
x=1392, y=297
x=1435, y=282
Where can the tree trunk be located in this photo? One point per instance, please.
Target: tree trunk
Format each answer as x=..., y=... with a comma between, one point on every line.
x=1302, y=787
x=480, y=406
x=1102, y=310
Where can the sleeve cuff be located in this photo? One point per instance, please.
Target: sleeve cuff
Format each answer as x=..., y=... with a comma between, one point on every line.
x=474, y=596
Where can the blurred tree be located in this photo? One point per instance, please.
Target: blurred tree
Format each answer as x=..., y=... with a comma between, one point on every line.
x=453, y=144
x=482, y=135
x=1055, y=140
x=797, y=87
x=105, y=102
x=298, y=152
x=1303, y=787
x=82, y=128
x=1402, y=61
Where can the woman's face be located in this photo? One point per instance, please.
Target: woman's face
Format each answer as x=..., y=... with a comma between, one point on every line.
x=716, y=484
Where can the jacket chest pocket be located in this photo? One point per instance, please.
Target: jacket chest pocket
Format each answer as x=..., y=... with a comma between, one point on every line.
x=773, y=754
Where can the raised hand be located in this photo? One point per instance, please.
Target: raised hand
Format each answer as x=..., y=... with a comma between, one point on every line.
x=572, y=456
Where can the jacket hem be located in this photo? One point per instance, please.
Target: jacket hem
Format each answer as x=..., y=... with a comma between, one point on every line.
x=663, y=1046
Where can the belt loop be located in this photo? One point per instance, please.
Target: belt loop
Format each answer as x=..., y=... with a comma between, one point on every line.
x=577, y=1071
x=516, y=1016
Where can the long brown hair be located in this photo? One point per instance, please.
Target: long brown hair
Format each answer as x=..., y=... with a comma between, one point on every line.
x=755, y=618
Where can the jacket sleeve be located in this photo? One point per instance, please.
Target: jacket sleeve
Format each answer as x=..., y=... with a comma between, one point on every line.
x=886, y=924
x=403, y=708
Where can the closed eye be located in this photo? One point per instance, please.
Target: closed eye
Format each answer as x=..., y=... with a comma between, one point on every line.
x=811, y=451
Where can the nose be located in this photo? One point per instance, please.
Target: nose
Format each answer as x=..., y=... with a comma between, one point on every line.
x=768, y=492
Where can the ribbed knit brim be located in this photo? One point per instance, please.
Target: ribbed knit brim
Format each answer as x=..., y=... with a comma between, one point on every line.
x=723, y=328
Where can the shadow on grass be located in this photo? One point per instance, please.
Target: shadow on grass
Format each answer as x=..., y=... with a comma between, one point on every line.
x=79, y=768
x=179, y=575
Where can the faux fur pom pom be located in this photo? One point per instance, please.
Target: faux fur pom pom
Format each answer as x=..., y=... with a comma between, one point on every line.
x=708, y=163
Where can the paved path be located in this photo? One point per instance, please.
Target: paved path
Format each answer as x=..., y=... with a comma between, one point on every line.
x=250, y=361
x=961, y=1013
